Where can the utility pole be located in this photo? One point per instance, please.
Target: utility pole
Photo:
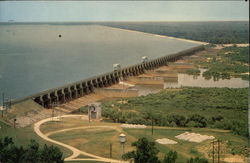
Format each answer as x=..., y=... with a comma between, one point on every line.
x=15, y=123
x=110, y=150
x=54, y=104
x=218, y=151
x=3, y=98
x=3, y=103
x=213, y=150
x=89, y=110
x=6, y=106
x=152, y=126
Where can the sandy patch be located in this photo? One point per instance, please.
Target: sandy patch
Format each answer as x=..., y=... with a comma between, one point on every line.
x=133, y=126
x=165, y=141
x=193, y=137
x=235, y=158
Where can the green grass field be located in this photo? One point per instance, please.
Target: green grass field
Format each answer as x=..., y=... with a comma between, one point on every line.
x=97, y=140
x=22, y=136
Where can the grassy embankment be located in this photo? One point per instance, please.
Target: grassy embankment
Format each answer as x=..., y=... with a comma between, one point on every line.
x=228, y=62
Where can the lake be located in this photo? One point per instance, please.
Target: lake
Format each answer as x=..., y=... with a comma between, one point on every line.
x=37, y=57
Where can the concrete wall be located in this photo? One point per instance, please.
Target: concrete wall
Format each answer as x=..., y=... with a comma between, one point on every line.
x=74, y=90
x=111, y=92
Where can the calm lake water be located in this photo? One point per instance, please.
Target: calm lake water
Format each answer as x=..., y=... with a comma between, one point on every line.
x=34, y=58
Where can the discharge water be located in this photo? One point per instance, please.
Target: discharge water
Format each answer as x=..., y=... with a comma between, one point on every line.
x=37, y=57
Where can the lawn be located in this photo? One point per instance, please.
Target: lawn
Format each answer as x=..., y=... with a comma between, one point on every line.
x=22, y=136
x=97, y=140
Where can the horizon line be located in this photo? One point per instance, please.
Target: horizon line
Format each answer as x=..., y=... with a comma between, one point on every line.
x=12, y=21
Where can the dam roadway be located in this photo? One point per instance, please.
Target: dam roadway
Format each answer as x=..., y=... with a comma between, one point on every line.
x=87, y=53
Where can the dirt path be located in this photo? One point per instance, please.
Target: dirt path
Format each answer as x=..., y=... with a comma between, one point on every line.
x=76, y=152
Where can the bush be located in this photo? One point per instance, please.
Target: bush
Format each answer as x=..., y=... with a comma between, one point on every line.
x=170, y=157
x=179, y=120
x=197, y=160
x=145, y=152
x=198, y=120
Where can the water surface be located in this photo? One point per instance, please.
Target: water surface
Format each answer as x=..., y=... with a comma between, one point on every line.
x=34, y=58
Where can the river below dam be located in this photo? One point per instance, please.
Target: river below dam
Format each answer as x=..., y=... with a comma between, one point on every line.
x=37, y=57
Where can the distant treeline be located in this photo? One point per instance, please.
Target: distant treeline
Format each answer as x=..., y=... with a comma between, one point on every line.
x=212, y=32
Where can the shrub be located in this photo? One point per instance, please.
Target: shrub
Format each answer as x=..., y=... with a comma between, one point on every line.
x=197, y=160
x=145, y=152
x=170, y=157
x=199, y=121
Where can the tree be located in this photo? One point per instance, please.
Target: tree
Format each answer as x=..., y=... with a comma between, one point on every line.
x=170, y=157
x=51, y=154
x=145, y=152
x=10, y=153
x=197, y=160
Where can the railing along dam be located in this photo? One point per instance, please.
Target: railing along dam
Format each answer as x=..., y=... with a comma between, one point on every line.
x=78, y=89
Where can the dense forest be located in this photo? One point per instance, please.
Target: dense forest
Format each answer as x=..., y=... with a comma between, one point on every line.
x=224, y=108
x=212, y=32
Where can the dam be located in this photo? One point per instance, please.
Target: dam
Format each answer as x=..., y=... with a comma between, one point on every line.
x=33, y=58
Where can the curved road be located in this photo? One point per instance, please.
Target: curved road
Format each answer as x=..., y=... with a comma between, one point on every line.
x=76, y=152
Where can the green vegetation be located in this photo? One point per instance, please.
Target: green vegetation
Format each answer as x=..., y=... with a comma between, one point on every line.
x=224, y=108
x=10, y=153
x=212, y=32
x=230, y=61
x=193, y=71
x=22, y=136
x=101, y=138
x=170, y=157
x=146, y=152
x=197, y=160
x=187, y=149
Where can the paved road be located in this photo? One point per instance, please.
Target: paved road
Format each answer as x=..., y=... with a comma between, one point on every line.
x=76, y=152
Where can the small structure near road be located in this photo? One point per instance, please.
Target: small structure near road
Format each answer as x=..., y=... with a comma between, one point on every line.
x=94, y=111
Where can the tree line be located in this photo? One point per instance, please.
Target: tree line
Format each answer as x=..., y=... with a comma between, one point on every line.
x=212, y=32
x=11, y=153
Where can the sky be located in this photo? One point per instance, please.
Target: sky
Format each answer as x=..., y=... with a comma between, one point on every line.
x=77, y=11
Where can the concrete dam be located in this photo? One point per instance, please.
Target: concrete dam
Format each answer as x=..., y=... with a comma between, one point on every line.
x=34, y=59
x=78, y=89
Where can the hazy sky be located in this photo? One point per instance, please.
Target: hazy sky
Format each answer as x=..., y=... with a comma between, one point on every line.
x=123, y=11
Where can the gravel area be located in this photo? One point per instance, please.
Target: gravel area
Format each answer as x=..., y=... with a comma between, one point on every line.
x=165, y=141
x=194, y=137
x=133, y=126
